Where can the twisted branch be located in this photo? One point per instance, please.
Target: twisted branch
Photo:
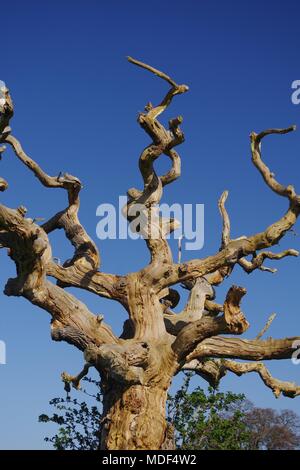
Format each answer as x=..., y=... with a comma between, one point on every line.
x=155, y=228
x=239, y=248
x=258, y=259
x=191, y=336
x=268, y=176
x=81, y=269
x=278, y=387
x=214, y=370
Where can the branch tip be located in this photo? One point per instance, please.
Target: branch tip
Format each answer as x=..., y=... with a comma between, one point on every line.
x=164, y=76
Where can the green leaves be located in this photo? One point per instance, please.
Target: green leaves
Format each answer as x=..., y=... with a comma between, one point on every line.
x=211, y=420
x=79, y=424
x=207, y=421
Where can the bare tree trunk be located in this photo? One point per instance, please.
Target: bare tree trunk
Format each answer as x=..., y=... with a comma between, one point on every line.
x=135, y=418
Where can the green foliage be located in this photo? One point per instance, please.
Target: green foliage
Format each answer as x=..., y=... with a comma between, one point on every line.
x=207, y=421
x=202, y=420
x=79, y=424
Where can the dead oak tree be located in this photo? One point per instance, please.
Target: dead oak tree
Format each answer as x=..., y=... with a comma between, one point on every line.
x=136, y=369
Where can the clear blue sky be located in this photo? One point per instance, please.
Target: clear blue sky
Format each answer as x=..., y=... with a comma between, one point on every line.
x=76, y=100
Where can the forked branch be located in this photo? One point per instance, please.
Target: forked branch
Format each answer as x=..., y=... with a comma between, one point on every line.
x=237, y=249
x=214, y=370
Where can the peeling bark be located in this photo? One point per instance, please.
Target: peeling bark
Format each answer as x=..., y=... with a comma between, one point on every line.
x=134, y=418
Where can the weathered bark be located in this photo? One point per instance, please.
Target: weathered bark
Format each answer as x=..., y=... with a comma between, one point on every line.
x=137, y=368
x=135, y=417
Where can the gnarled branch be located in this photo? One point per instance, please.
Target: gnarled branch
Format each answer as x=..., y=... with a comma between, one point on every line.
x=241, y=247
x=81, y=270
x=248, y=349
x=278, y=387
x=214, y=370
x=232, y=321
x=155, y=228
x=258, y=259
